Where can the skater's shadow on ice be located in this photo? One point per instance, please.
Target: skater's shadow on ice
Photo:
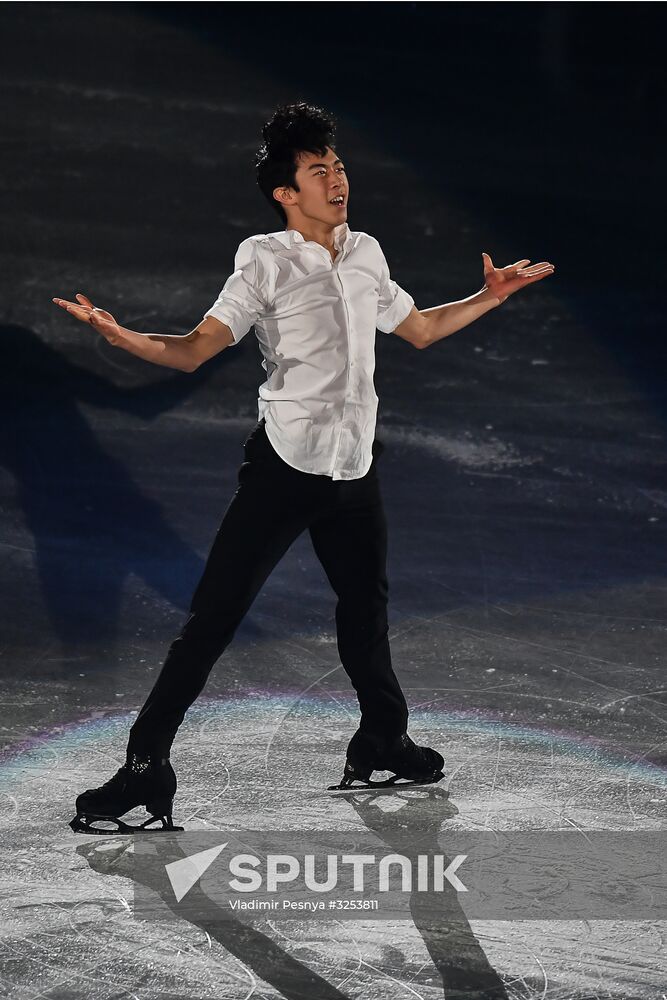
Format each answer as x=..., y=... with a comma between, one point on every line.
x=409, y=822
x=86, y=520
x=266, y=959
x=410, y=829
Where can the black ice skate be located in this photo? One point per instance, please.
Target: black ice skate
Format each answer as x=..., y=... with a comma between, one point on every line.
x=149, y=782
x=417, y=765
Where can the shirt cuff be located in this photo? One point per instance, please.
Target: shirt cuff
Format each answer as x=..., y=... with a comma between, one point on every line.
x=230, y=317
x=397, y=311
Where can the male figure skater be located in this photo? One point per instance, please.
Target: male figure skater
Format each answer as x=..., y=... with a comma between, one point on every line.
x=315, y=292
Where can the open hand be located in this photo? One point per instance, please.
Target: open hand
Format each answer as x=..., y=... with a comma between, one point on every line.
x=504, y=281
x=99, y=319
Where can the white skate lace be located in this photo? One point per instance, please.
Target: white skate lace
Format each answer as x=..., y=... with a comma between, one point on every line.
x=137, y=764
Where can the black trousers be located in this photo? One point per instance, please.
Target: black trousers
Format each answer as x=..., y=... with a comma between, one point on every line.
x=273, y=504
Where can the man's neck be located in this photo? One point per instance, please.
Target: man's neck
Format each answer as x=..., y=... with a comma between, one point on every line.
x=321, y=233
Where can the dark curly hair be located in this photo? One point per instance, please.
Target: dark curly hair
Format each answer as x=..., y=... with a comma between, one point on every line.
x=293, y=129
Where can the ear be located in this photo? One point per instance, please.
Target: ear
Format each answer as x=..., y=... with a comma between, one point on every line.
x=284, y=195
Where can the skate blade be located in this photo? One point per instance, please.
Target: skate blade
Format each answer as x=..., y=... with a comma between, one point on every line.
x=83, y=824
x=395, y=782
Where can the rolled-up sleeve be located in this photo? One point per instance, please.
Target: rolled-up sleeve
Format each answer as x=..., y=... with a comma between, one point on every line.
x=394, y=303
x=246, y=294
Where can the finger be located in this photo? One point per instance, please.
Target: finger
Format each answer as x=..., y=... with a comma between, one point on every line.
x=84, y=300
x=79, y=312
x=488, y=263
x=74, y=306
x=520, y=263
x=535, y=269
x=536, y=275
x=64, y=303
x=542, y=263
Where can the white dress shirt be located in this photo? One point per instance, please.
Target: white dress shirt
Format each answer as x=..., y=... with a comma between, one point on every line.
x=315, y=320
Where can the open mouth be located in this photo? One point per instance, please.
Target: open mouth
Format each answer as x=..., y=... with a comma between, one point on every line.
x=339, y=201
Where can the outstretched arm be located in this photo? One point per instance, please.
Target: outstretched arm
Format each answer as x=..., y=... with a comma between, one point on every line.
x=422, y=327
x=184, y=353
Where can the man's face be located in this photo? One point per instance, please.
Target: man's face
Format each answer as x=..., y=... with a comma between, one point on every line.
x=323, y=188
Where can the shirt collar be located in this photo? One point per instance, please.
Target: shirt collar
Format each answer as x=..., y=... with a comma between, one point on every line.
x=290, y=237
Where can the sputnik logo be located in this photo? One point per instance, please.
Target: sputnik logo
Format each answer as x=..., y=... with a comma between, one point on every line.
x=184, y=873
